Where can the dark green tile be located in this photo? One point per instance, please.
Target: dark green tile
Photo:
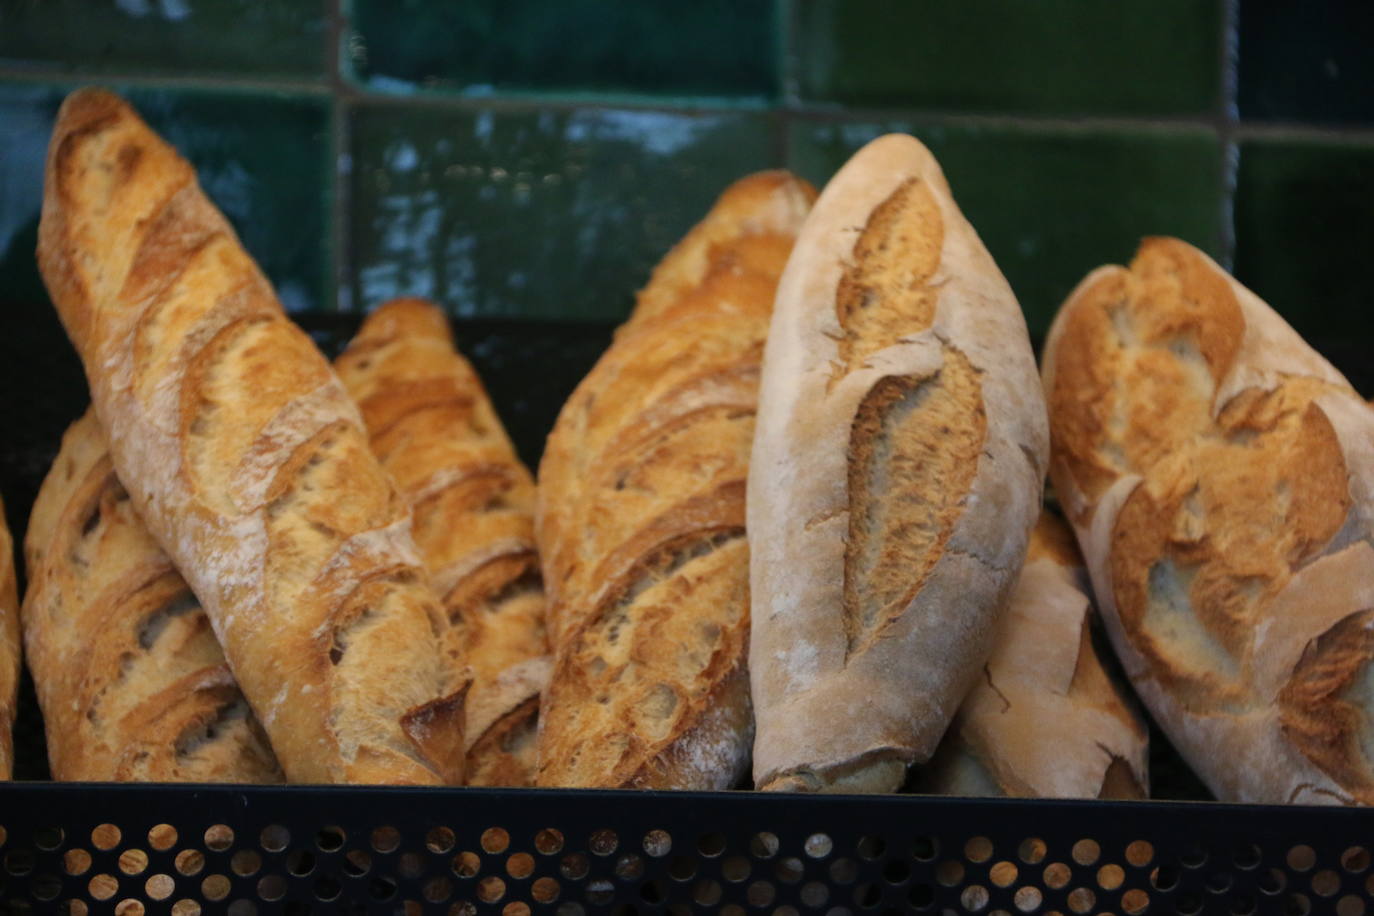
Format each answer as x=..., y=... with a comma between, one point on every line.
x=1052, y=204
x=718, y=48
x=1307, y=61
x=263, y=158
x=1303, y=217
x=233, y=37
x=534, y=213
x=1049, y=56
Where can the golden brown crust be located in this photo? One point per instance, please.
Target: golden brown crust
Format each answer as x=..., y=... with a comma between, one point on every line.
x=435, y=431
x=641, y=525
x=1215, y=468
x=236, y=442
x=9, y=647
x=132, y=683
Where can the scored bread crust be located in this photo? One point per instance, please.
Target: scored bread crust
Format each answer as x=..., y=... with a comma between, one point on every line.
x=896, y=473
x=132, y=683
x=1220, y=477
x=9, y=648
x=435, y=431
x=1045, y=720
x=641, y=515
x=246, y=459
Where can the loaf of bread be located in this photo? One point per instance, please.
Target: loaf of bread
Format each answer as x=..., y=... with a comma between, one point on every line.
x=132, y=683
x=897, y=472
x=434, y=430
x=1220, y=477
x=1045, y=720
x=641, y=515
x=9, y=647
x=244, y=456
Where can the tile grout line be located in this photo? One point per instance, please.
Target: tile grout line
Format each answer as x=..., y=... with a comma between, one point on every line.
x=1228, y=123
x=789, y=89
x=340, y=164
x=18, y=75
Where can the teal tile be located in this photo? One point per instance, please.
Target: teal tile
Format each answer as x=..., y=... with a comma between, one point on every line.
x=232, y=37
x=1307, y=62
x=1303, y=215
x=265, y=159
x=715, y=48
x=533, y=213
x=1052, y=204
x=1136, y=57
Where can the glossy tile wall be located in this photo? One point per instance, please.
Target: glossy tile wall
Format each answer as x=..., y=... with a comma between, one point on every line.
x=531, y=159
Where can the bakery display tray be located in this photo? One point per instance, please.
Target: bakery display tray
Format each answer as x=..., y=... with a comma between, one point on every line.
x=128, y=849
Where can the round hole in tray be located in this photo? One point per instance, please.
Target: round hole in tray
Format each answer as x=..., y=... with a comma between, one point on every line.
x=1135, y=901
x=730, y=909
x=1086, y=852
x=574, y=866
x=867, y=896
x=1003, y=874
x=162, y=837
x=520, y=865
x=924, y=849
x=1082, y=900
x=438, y=889
x=682, y=868
x=186, y=908
x=1301, y=857
x=844, y=871
x=440, y=840
x=838, y=911
x=1139, y=853
x=103, y=887
x=735, y=869
x=818, y=845
x=301, y=862
x=330, y=839
x=1194, y=856
x=19, y=862
x=1028, y=899
x=950, y=873
x=870, y=847
x=46, y=887
x=495, y=840
x=74, y=907
x=516, y=908
x=921, y=896
x=600, y=892
x=245, y=862
x=467, y=864
x=653, y=892
x=219, y=837
x=76, y=861
x=1219, y=883
x=764, y=845
x=381, y=888
x=159, y=886
x=761, y=893
x=462, y=908
x=896, y=871
x=129, y=907
x=785, y=910
x=789, y=870
x=133, y=861
x=1247, y=856
x=410, y=865
x=978, y=849
x=603, y=842
x=1355, y=859
x=544, y=890
x=272, y=887
x=48, y=838
x=243, y=908
x=385, y=839
x=274, y=838
x=571, y=908
x=1164, y=878
x=711, y=844
x=1188, y=904
x=1242, y=905
x=357, y=862
x=1110, y=877
x=1032, y=850
x=1326, y=883
x=1297, y=905
x=1273, y=882
x=706, y=892
x=106, y=837
x=326, y=888
x=1369, y=886
x=548, y=842
x=214, y=887
x=974, y=898
x=1350, y=905
x=658, y=843
x=1057, y=875
x=190, y=862
x=814, y=894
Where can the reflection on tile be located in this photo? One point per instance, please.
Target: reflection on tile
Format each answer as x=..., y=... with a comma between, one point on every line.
x=705, y=48
x=1053, y=204
x=1303, y=216
x=263, y=158
x=533, y=213
x=233, y=37
x=1310, y=62
x=1050, y=56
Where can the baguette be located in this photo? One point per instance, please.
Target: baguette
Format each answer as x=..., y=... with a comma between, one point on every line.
x=9, y=648
x=641, y=515
x=246, y=460
x=132, y=684
x=1220, y=477
x=434, y=430
x=897, y=472
x=1045, y=720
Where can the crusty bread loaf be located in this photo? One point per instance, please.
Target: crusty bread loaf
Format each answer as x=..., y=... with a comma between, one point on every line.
x=1220, y=477
x=9, y=647
x=434, y=430
x=132, y=683
x=896, y=474
x=246, y=459
x=641, y=515
x=1045, y=720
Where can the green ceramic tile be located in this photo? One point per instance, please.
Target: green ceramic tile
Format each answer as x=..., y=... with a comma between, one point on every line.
x=1303, y=216
x=1052, y=204
x=533, y=213
x=1049, y=56
x=263, y=158
x=719, y=48
x=1307, y=61
x=235, y=37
